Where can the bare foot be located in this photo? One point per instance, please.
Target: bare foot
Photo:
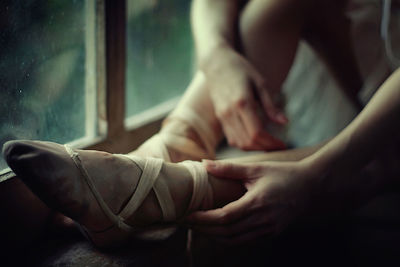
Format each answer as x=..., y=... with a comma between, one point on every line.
x=50, y=172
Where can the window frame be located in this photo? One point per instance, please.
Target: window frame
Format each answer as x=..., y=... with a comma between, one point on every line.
x=105, y=104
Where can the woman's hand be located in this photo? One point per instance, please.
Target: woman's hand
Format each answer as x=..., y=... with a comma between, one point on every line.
x=239, y=93
x=277, y=193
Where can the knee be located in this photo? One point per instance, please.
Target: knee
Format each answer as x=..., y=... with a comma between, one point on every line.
x=250, y=18
x=259, y=16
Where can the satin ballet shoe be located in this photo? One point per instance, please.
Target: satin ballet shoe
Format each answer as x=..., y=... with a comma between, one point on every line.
x=202, y=198
x=105, y=207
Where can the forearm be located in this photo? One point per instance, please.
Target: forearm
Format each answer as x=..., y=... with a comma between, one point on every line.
x=366, y=136
x=295, y=154
x=214, y=25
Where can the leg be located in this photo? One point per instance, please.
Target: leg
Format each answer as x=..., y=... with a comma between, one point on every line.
x=50, y=173
x=270, y=32
x=269, y=35
x=283, y=155
x=47, y=169
x=204, y=132
x=280, y=51
x=32, y=215
x=328, y=32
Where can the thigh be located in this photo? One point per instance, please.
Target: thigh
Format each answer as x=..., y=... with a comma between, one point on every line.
x=328, y=30
x=269, y=32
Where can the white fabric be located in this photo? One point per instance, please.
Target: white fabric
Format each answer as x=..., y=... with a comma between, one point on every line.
x=386, y=35
x=316, y=107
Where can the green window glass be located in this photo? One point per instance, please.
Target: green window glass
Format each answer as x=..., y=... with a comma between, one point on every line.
x=42, y=70
x=159, y=52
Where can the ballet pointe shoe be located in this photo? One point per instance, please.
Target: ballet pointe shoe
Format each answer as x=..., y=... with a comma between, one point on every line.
x=113, y=198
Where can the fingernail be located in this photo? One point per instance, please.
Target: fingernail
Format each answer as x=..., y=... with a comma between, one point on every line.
x=209, y=163
x=280, y=117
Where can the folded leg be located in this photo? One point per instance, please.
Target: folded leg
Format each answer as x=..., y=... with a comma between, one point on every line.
x=115, y=196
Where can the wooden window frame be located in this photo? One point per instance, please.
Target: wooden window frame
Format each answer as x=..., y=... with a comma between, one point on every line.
x=112, y=132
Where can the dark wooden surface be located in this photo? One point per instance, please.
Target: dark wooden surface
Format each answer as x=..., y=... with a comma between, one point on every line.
x=115, y=20
x=74, y=250
x=369, y=237
x=28, y=238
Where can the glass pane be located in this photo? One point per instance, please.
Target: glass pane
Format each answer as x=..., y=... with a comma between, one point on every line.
x=159, y=52
x=42, y=70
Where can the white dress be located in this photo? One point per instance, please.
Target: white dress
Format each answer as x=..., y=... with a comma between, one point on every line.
x=316, y=107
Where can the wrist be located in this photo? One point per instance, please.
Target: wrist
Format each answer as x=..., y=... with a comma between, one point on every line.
x=330, y=167
x=330, y=158
x=319, y=184
x=214, y=56
x=323, y=164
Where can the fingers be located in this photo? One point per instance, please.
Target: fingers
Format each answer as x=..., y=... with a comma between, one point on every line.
x=250, y=125
x=234, y=170
x=258, y=138
x=225, y=215
x=244, y=129
x=240, y=133
x=237, y=109
x=231, y=131
x=273, y=113
x=270, y=142
x=235, y=129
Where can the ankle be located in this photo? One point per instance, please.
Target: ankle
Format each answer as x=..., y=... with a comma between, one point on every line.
x=180, y=184
x=225, y=190
x=177, y=127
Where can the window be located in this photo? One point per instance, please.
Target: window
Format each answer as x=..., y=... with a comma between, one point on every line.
x=43, y=63
x=68, y=69
x=159, y=54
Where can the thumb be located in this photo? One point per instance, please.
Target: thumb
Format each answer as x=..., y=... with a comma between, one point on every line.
x=272, y=112
x=231, y=170
x=225, y=215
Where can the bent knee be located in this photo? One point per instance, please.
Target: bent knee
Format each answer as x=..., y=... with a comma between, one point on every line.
x=260, y=15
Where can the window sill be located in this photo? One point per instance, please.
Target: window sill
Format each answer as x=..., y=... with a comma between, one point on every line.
x=138, y=128
x=6, y=174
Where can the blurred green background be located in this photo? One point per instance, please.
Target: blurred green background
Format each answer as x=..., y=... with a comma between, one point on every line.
x=159, y=52
x=42, y=63
x=42, y=70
